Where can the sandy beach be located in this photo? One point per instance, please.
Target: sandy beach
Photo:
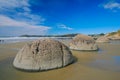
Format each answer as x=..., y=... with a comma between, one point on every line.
x=95, y=65
x=72, y=40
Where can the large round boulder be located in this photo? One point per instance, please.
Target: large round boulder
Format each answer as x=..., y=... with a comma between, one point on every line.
x=103, y=39
x=83, y=42
x=43, y=54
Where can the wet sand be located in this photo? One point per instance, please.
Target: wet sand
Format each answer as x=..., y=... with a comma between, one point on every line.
x=98, y=65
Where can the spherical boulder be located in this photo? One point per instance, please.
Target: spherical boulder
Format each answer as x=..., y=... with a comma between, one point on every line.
x=42, y=55
x=103, y=39
x=83, y=42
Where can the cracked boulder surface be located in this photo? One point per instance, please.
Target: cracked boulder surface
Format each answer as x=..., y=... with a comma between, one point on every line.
x=83, y=42
x=43, y=54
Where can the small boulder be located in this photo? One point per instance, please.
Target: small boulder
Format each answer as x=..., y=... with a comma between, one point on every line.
x=42, y=55
x=83, y=42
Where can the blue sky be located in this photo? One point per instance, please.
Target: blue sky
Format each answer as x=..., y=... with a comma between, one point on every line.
x=40, y=17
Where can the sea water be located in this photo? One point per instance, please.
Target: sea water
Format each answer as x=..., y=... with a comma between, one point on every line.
x=4, y=40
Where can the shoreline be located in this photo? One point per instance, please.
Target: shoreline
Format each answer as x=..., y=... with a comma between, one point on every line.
x=7, y=40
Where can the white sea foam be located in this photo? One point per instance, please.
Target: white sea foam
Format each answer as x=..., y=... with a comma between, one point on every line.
x=4, y=40
x=16, y=39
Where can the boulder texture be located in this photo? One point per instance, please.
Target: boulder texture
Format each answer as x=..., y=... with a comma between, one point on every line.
x=43, y=54
x=83, y=42
x=103, y=39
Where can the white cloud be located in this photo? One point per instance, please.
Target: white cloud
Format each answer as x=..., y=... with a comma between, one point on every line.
x=112, y=5
x=31, y=18
x=64, y=27
x=22, y=21
x=19, y=26
x=8, y=5
x=20, y=10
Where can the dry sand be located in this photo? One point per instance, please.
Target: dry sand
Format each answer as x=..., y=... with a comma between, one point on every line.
x=101, y=65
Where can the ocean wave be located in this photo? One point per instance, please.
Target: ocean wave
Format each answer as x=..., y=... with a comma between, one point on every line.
x=4, y=40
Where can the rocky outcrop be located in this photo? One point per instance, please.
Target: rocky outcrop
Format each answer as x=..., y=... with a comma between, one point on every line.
x=83, y=42
x=114, y=37
x=43, y=55
x=103, y=39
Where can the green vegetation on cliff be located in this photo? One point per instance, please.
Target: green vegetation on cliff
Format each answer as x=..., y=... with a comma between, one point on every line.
x=118, y=32
x=113, y=33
